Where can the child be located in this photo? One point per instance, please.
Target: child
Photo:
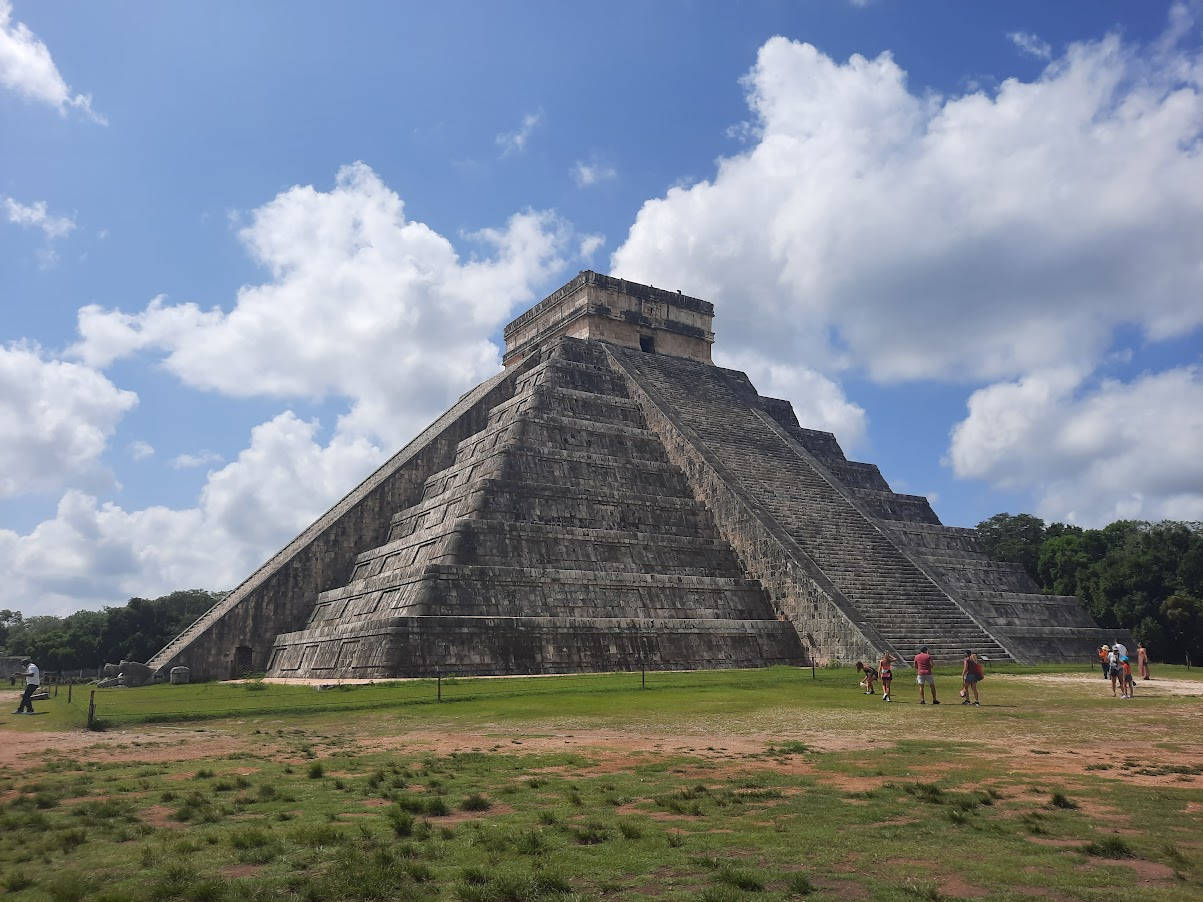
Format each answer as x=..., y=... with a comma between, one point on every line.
x=971, y=675
x=1129, y=684
x=870, y=676
x=885, y=670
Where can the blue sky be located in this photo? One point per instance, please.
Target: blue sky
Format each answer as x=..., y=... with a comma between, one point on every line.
x=248, y=250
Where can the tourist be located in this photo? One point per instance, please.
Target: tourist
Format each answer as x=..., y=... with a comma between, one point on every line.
x=885, y=669
x=1105, y=650
x=1142, y=660
x=870, y=676
x=1120, y=649
x=1129, y=684
x=33, y=679
x=1114, y=669
x=971, y=675
x=924, y=676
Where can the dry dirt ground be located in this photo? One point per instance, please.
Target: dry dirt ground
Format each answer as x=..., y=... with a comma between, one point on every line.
x=613, y=749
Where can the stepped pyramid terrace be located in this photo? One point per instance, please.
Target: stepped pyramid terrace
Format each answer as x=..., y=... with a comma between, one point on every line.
x=613, y=500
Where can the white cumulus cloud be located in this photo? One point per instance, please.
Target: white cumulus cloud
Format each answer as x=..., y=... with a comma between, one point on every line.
x=362, y=304
x=27, y=68
x=970, y=237
x=56, y=418
x=94, y=552
x=973, y=238
x=1092, y=453
x=140, y=450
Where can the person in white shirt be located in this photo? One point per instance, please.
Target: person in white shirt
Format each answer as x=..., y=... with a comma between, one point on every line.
x=33, y=679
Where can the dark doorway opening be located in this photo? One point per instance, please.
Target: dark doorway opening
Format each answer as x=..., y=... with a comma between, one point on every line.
x=647, y=343
x=242, y=660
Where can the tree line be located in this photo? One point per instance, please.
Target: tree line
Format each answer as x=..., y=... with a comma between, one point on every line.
x=1132, y=574
x=87, y=639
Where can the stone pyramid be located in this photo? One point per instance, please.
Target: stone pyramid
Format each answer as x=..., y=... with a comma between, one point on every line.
x=613, y=500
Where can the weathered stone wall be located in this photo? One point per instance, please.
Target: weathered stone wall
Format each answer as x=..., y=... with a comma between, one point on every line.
x=825, y=621
x=466, y=646
x=279, y=596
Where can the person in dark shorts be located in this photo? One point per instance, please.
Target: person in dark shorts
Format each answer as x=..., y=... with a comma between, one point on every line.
x=971, y=675
x=1105, y=650
x=885, y=669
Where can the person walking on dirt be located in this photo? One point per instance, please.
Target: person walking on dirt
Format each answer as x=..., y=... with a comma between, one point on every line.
x=33, y=680
x=924, y=676
x=885, y=669
x=1105, y=650
x=971, y=675
x=1114, y=669
x=1142, y=660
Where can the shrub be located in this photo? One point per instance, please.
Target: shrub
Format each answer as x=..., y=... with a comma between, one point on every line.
x=589, y=834
x=630, y=830
x=1111, y=847
x=316, y=835
x=476, y=802
x=15, y=881
x=1060, y=800
x=739, y=878
x=402, y=821
x=316, y=771
x=799, y=885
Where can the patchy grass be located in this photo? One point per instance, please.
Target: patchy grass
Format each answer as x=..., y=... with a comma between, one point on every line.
x=721, y=786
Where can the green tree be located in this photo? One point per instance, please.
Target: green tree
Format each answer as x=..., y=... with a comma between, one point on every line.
x=1013, y=537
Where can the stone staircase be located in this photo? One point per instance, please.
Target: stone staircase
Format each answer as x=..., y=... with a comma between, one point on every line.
x=562, y=525
x=888, y=590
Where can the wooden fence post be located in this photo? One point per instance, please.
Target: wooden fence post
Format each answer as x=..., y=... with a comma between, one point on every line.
x=438, y=675
x=92, y=710
x=68, y=693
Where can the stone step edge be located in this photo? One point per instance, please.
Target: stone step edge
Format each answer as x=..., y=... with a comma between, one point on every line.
x=544, y=490
x=574, y=624
x=538, y=530
x=540, y=576
x=524, y=449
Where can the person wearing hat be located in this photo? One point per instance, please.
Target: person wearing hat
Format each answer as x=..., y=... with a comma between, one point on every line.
x=1105, y=650
x=971, y=675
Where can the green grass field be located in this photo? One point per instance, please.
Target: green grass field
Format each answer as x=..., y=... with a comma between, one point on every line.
x=721, y=785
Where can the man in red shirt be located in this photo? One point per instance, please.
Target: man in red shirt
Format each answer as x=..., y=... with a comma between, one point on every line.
x=923, y=663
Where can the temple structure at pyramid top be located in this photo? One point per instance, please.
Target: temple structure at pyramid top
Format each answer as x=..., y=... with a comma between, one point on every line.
x=628, y=314
x=612, y=500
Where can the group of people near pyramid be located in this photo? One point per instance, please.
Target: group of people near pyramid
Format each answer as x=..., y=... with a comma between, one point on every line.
x=971, y=675
x=1117, y=668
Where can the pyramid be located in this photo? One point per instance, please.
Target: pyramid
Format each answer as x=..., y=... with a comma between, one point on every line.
x=614, y=501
